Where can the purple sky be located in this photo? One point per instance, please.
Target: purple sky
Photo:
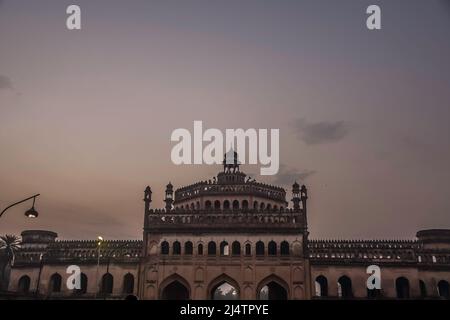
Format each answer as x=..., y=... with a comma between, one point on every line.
x=86, y=116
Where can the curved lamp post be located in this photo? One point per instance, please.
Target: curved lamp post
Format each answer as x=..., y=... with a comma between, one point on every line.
x=99, y=243
x=30, y=213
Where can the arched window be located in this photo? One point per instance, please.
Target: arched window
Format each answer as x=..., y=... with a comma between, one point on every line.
x=128, y=283
x=164, y=247
x=200, y=249
x=272, y=248
x=402, y=288
x=84, y=283
x=443, y=289
x=345, y=287
x=55, y=283
x=236, y=248
x=423, y=289
x=211, y=248
x=208, y=204
x=217, y=205
x=255, y=205
x=321, y=286
x=245, y=204
x=235, y=205
x=198, y=205
x=226, y=205
x=107, y=283
x=248, y=249
x=275, y=208
x=192, y=206
x=284, y=248
x=269, y=207
x=224, y=249
x=176, y=249
x=262, y=206
x=24, y=284
x=188, y=248
x=260, y=248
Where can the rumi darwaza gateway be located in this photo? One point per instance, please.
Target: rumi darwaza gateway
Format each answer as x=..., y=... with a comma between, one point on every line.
x=231, y=238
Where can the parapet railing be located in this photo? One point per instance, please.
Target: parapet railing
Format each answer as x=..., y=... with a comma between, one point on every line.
x=256, y=189
x=268, y=220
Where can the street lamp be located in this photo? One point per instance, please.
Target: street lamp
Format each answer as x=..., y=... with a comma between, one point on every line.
x=30, y=213
x=99, y=243
x=41, y=265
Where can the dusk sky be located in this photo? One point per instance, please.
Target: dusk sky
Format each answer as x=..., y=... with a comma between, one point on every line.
x=86, y=115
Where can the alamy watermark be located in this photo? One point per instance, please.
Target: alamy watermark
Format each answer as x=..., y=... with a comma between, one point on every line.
x=374, y=280
x=74, y=280
x=190, y=149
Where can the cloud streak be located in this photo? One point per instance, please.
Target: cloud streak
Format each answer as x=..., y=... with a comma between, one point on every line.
x=5, y=82
x=287, y=176
x=313, y=133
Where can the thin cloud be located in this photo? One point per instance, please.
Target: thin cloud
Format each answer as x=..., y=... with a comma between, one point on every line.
x=5, y=82
x=287, y=176
x=320, y=132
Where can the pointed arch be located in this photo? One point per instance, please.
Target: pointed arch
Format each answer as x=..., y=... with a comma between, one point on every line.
x=176, y=248
x=279, y=285
x=218, y=281
x=107, y=283
x=174, y=287
x=164, y=247
x=128, y=283
x=235, y=248
x=402, y=288
x=321, y=286
x=260, y=250
x=23, y=285
x=84, y=284
x=345, y=289
x=188, y=248
x=55, y=283
x=444, y=289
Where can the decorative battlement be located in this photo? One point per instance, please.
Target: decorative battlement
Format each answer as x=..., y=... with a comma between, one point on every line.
x=288, y=221
x=215, y=188
x=376, y=251
x=38, y=236
x=362, y=251
x=435, y=237
x=81, y=251
x=382, y=244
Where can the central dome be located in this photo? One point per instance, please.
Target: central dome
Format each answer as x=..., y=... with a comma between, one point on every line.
x=230, y=190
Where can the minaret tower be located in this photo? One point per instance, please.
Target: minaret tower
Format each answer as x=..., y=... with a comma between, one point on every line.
x=169, y=197
x=296, y=196
x=147, y=198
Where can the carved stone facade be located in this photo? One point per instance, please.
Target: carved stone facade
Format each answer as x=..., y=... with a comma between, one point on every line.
x=231, y=238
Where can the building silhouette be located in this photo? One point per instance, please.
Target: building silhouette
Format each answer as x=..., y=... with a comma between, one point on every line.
x=231, y=238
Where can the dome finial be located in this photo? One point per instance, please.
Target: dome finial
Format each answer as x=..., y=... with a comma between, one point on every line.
x=230, y=161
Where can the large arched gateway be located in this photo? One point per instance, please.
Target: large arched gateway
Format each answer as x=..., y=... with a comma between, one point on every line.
x=273, y=288
x=175, y=288
x=222, y=245
x=224, y=288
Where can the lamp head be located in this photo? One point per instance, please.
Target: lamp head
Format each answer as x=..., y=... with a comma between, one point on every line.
x=31, y=213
